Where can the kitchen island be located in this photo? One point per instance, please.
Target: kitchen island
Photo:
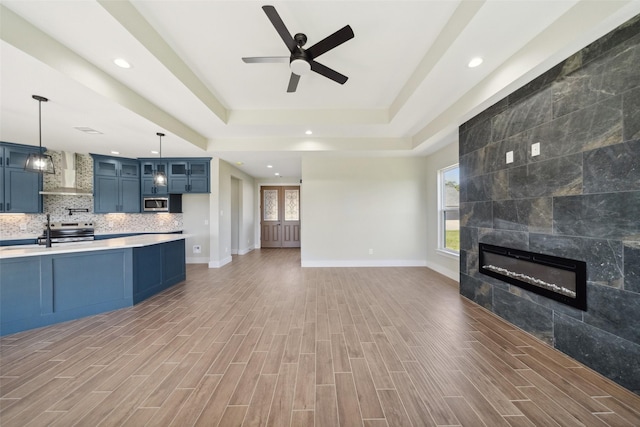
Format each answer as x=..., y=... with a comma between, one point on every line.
x=41, y=286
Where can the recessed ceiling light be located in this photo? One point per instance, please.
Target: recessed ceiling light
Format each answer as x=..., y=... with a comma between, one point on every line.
x=239, y=163
x=122, y=63
x=309, y=132
x=277, y=174
x=269, y=166
x=115, y=152
x=154, y=152
x=475, y=62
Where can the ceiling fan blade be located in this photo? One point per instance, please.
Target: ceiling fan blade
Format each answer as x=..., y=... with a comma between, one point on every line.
x=328, y=72
x=293, y=82
x=336, y=39
x=266, y=59
x=280, y=27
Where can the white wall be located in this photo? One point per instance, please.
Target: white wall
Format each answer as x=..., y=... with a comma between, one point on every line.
x=196, y=224
x=443, y=263
x=222, y=174
x=352, y=205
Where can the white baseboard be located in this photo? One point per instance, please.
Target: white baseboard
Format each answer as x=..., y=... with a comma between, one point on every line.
x=197, y=260
x=365, y=263
x=453, y=275
x=244, y=251
x=218, y=264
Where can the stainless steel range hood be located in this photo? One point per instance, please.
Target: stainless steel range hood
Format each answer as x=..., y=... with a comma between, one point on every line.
x=66, y=177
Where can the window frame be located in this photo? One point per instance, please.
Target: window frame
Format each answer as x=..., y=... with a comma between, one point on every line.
x=442, y=228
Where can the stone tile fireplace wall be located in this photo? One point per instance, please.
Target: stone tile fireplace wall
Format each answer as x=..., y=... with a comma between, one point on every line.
x=579, y=199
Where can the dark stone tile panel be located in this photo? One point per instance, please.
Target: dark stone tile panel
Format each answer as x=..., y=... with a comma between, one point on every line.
x=631, y=119
x=603, y=78
x=607, y=215
x=476, y=189
x=595, y=126
x=477, y=291
x=507, y=238
x=614, y=357
x=613, y=168
x=499, y=185
x=473, y=138
x=533, y=215
x=476, y=214
x=546, y=302
x=495, y=156
x=532, y=317
x=632, y=266
x=469, y=239
x=603, y=257
x=469, y=265
x=525, y=115
x=472, y=164
x=545, y=80
x=556, y=177
x=612, y=40
x=614, y=310
x=485, y=115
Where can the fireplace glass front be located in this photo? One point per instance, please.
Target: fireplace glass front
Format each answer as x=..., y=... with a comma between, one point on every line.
x=561, y=279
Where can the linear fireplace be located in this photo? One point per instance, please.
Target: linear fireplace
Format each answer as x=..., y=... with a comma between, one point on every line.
x=561, y=279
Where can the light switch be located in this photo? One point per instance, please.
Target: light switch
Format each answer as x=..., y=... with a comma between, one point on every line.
x=535, y=149
x=509, y=157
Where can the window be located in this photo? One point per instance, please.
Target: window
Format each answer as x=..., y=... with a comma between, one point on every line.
x=448, y=209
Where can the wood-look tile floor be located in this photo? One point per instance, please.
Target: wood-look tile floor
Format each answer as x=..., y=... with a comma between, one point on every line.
x=262, y=341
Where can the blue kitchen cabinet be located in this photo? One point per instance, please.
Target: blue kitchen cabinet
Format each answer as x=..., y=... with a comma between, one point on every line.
x=42, y=290
x=148, y=168
x=189, y=175
x=19, y=189
x=116, y=184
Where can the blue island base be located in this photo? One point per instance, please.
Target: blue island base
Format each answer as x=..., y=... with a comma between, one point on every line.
x=43, y=290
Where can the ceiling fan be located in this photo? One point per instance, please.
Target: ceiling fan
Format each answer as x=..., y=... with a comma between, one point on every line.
x=303, y=60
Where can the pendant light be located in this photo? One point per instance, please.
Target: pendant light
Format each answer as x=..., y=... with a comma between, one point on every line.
x=39, y=162
x=159, y=177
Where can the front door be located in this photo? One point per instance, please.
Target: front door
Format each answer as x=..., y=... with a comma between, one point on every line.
x=280, y=217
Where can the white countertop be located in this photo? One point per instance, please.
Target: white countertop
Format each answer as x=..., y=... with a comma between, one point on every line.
x=7, y=252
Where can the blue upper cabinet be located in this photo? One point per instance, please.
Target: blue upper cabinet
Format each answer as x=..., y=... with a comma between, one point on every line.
x=19, y=190
x=116, y=184
x=147, y=170
x=189, y=175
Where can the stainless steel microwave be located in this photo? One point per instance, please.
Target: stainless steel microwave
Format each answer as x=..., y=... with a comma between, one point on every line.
x=155, y=204
x=170, y=203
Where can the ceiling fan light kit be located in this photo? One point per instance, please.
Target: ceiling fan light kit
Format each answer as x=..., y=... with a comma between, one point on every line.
x=302, y=61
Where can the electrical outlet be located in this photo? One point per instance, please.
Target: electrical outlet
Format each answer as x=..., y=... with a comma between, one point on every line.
x=509, y=157
x=370, y=251
x=110, y=224
x=197, y=249
x=23, y=227
x=535, y=149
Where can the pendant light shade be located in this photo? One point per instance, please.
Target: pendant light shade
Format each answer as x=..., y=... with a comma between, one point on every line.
x=159, y=177
x=39, y=162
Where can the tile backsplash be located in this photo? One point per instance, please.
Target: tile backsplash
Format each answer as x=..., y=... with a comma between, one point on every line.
x=27, y=226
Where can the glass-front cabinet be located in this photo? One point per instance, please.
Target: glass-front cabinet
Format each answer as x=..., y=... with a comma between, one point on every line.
x=148, y=168
x=188, y=176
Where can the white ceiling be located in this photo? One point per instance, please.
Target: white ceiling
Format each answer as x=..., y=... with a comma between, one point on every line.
x=409, y=86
